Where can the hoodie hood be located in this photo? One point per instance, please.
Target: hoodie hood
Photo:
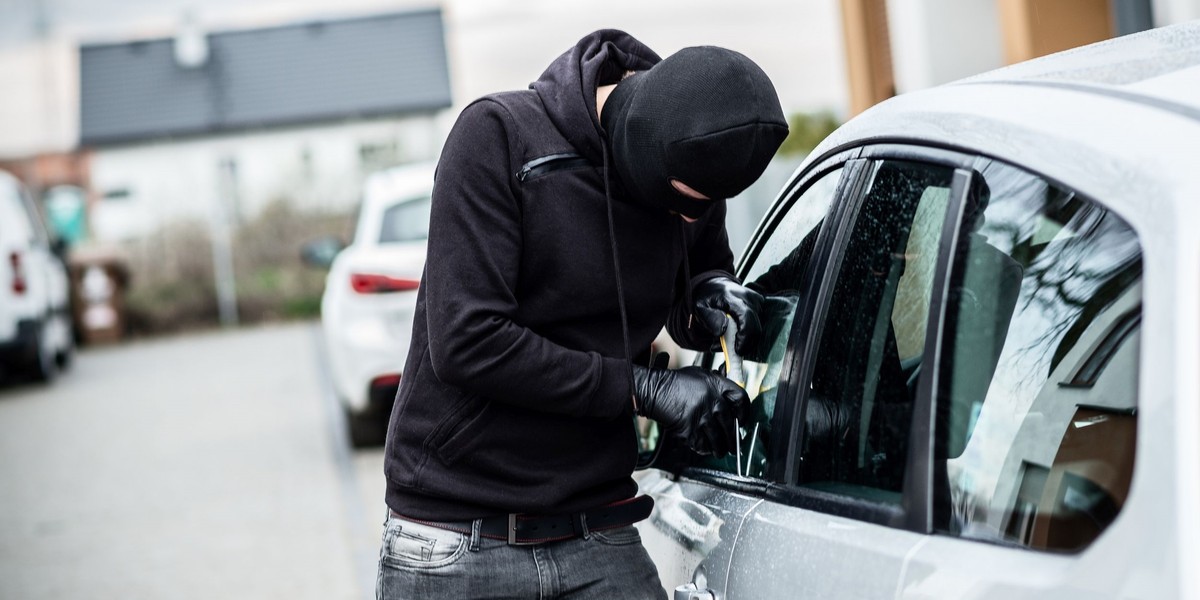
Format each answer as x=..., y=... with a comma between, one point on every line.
x=568, y=86
x=707, y=117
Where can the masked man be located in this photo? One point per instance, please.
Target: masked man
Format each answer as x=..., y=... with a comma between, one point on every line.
x=570, y=222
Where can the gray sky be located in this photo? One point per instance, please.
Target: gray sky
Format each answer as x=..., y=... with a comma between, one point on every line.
x=502, y=44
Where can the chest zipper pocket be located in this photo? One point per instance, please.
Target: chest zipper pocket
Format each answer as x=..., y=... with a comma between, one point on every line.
x=549, y=164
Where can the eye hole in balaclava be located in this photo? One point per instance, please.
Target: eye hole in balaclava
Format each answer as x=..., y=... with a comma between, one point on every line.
x=705, y=116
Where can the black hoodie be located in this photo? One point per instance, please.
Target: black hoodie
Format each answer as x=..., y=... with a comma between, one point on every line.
x=516, y=392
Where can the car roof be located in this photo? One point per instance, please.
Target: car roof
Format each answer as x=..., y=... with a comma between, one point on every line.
x=398, y=183
x=1117, y=121
x=1158, y=67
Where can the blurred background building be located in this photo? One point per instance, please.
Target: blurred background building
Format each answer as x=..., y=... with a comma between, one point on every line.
x=205, y=138
x=228, y=122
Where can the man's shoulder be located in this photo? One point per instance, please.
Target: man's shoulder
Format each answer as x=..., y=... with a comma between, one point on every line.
x=520, y=105
x=525, y=118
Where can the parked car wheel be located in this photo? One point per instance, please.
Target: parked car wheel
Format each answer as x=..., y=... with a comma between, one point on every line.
x=367, y=429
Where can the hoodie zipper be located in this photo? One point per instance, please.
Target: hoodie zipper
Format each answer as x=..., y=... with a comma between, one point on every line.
x=548, y=164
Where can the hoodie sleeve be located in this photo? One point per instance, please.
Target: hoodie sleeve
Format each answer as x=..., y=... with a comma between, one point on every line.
x=475, y=245
x=709, y=257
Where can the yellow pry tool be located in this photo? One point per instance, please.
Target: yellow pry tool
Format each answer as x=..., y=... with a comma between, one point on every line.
x=734, y=371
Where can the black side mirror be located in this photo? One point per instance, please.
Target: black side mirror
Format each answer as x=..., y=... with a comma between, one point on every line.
x=59, y=248
x=321, y=251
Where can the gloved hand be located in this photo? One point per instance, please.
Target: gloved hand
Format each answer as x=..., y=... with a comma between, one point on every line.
x=719, y=296
x=697, y=405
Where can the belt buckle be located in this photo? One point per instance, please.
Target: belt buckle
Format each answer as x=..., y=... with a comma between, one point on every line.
x=512, y=532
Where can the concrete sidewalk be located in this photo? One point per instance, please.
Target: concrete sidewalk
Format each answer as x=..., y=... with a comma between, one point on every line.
x=193, y=467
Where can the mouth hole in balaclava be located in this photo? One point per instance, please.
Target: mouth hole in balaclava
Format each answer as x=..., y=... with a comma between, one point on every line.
x=691, y=204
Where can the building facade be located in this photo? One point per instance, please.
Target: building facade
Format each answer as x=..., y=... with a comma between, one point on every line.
x=221, y=125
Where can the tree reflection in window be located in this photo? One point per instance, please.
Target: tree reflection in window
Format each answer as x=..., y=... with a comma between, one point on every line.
x=1021, y=458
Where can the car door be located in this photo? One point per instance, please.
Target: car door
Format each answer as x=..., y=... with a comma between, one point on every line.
x=701, y=503
x=838, y=520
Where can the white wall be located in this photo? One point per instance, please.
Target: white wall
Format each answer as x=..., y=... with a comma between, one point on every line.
x=39, y=91
x=172, y=180
x=1167, y=12
x=938, y=41
x=505, y=44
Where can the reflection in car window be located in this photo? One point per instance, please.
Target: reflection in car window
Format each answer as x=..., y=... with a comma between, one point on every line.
x=858, y=414
x=1036, y=412
x=406, y=222
x=776, y=272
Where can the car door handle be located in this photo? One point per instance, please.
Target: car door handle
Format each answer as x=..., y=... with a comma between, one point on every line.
x=689, y=591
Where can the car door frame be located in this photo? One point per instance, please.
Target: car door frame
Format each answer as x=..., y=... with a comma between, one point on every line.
x=915, y=514
x=878, y=534
x=706, y=487
x=781, y=484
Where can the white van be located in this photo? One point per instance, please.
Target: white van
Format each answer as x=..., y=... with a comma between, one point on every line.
x=35, y=317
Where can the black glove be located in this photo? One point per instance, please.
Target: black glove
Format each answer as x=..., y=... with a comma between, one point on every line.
x=775, y=315
x=719, y=296
x=697, y=405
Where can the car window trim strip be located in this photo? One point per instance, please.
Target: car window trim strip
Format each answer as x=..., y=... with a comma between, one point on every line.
x=919, y=476
x=801, y=353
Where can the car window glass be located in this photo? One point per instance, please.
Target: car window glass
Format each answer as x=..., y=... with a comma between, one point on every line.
x=406, y=222
x=1036, y=411
x=858, y=415
x=776, y=272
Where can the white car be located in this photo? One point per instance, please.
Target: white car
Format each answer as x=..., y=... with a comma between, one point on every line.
x=983, y=378
x=35, y=315
x=371, y=294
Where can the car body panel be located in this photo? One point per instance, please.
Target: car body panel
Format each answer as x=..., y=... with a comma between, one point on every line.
x=838, y=554
x=693, y=529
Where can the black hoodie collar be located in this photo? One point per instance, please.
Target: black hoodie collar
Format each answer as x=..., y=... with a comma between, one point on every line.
x=568, y=86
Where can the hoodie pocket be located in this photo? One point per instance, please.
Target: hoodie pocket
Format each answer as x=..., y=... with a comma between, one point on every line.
x=463, y=429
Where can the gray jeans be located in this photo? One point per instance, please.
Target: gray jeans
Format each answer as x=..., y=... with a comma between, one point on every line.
x=420, y=562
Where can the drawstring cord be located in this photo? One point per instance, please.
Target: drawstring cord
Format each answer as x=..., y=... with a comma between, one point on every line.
x=687, y=274
x=612, y=238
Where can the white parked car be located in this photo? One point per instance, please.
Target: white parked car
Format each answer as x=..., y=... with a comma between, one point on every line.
x=371, y=294
x=989, y=386
x=35, y=316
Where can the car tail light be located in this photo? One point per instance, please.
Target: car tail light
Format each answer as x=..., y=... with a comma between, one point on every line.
x=386, y=381
x=18, y=274
x=370, y=283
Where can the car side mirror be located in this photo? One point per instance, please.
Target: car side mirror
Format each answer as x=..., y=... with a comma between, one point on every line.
x=59, y=248
x=321, y=251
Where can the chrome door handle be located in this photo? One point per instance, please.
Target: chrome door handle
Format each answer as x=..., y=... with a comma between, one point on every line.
x=689, y=591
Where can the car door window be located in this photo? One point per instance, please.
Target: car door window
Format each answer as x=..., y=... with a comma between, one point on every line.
x=858, y=413
x=777, y=272
x=1036, y=404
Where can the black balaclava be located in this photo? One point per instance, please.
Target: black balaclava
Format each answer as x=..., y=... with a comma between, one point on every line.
x=706, y=116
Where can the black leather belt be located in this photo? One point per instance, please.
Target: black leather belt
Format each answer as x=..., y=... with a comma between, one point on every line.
x=525, y=529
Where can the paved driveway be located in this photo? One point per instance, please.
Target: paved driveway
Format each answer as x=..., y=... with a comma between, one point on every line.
x=203, y=466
